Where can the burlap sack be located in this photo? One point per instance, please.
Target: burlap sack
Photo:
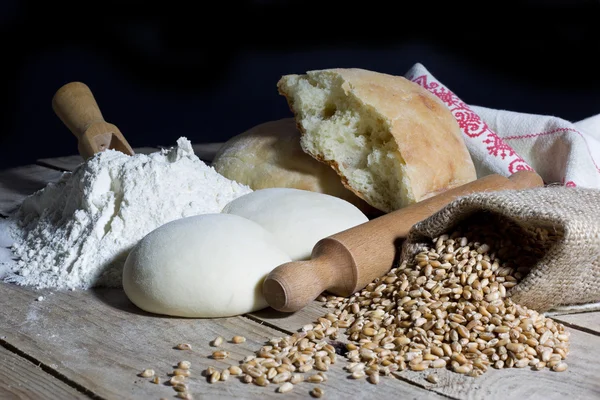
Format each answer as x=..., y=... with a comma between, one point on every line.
x=567, y=275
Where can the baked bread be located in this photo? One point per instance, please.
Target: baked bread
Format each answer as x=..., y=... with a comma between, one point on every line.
x=269, y=156
x=392, y=142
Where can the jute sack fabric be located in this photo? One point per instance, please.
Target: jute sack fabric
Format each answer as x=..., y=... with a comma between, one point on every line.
x=567, y=275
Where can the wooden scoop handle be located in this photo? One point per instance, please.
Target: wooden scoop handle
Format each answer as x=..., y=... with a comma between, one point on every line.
x=76, y=107
x=347, y=261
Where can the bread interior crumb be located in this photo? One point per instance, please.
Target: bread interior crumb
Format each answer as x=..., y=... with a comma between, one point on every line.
x=339, y=127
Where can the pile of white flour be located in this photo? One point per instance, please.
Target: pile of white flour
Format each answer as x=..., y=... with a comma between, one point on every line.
x=77, y=233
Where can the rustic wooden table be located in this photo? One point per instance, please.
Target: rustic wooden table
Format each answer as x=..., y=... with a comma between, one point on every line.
x=93, y=344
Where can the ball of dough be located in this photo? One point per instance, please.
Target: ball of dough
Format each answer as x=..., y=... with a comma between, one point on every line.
x=269, y=155
x=297, y=218
x=210, y=265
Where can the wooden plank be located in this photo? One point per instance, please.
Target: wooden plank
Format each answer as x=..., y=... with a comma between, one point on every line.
x=579, y=381
x=68, y=163
x=99, y=340
x=21, y=379
x=20, y=182
x=206, y=151
x=588, y=321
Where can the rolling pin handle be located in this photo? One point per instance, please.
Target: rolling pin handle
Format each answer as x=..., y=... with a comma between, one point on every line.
x=293, y=285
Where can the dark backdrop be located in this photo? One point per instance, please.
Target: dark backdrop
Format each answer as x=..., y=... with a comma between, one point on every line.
x=208, y=71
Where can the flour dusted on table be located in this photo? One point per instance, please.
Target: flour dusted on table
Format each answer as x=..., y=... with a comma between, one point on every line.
x=77, y=232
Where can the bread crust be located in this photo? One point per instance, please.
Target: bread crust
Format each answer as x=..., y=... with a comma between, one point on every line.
x=427, y=135
x=269, y=155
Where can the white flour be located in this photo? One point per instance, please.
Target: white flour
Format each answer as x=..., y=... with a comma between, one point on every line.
x=77, y=233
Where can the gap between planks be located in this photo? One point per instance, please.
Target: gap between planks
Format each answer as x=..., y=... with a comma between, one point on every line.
x=579, y=321
x=48, y=370
x=261, y=321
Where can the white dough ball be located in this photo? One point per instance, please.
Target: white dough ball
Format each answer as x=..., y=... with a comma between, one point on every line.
x=210, y=265
x=297, y=218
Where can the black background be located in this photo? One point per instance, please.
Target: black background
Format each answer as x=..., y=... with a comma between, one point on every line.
x=208, y=71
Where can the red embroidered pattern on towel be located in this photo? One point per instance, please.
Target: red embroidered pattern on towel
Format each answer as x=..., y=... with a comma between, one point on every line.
x=473, y=127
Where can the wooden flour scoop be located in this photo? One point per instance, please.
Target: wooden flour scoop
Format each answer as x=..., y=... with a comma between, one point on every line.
x=76, y=107
x=348, y=261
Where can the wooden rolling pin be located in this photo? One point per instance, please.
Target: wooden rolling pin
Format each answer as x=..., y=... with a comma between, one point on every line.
x=76, y=107
x=348, y=261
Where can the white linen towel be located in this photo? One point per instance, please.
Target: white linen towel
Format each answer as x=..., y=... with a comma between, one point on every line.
x=504, y=142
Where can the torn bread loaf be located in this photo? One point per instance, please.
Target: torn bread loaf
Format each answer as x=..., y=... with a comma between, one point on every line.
x=391, y=141
x=269, y=155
